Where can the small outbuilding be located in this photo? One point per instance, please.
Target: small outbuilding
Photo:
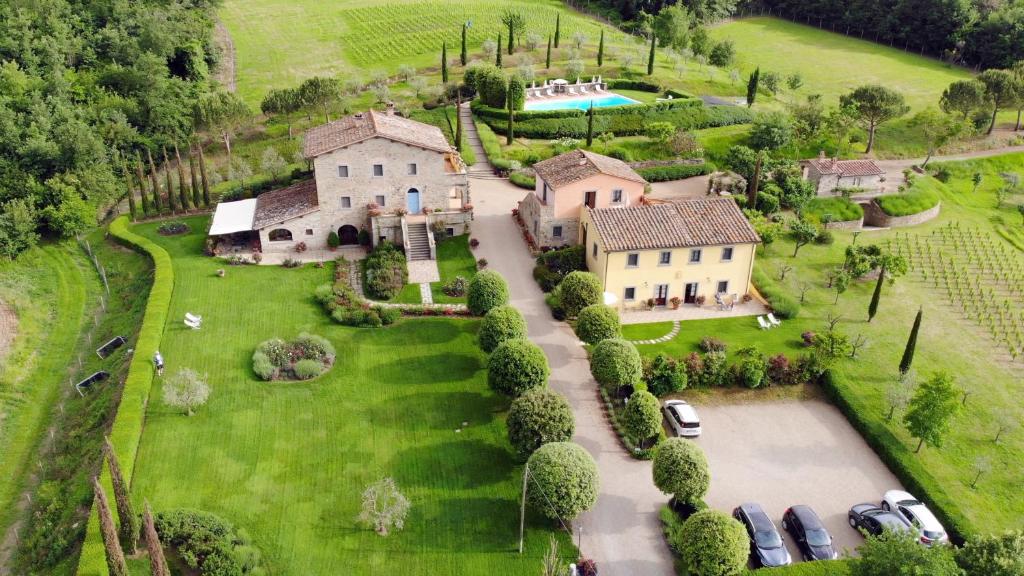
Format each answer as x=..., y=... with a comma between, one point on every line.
x=831, y=176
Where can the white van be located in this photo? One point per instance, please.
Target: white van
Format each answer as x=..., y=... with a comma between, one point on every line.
x=682, y=418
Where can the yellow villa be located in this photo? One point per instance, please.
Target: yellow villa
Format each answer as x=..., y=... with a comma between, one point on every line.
x=693, y=250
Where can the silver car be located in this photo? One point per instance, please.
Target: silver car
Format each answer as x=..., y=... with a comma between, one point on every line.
x=682, y=418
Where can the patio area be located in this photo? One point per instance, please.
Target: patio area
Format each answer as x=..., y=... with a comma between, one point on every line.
x=276, y=258
x=691, y=312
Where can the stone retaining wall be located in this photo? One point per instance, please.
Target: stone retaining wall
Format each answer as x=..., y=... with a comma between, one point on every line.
x=874, y=216
x=845, y=225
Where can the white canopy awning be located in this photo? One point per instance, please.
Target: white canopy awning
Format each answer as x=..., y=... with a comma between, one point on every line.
x=233, y=217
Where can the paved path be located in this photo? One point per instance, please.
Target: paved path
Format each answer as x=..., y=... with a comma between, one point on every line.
x=623, y=532
x=470, y=137
x=894, y=168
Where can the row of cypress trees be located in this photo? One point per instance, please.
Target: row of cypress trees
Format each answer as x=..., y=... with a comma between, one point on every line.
x=192, y=192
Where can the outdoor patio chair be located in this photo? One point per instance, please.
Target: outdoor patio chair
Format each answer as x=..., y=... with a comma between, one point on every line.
x=192, y=317
x=775, y=321
x=193, y=325
x=583, y=89
x=597, y=88
x=550, y=92
x=764, y=324
x=572, y=91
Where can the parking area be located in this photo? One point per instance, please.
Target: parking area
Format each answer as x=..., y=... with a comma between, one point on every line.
x=782, y=453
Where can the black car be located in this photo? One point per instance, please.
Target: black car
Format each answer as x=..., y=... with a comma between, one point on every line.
x=874, y=520
x=766, y=546
x=814, y=541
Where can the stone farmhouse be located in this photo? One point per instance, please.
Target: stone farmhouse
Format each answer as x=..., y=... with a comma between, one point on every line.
x=397, y=179
x=690, y=250
x=830, y=174
x=567, y=183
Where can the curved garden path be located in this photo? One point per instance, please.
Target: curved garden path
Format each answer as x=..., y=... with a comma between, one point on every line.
x=622, y=532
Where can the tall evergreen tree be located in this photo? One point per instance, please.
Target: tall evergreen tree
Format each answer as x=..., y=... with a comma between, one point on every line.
x=115, y=556
x=590, y=125
x=182, y=183
x=444, y=62
x=876, y=295
x=908, y=352
x=157, y=562
x=600, y=50
x=154, y=182
x=755, y=183
x=131, y=190
x=171, y=200
x=547, y=61
x=558, y=27
x=458, y=122
x=128, y=528
x=463, y=57
x=497, y=58
x=141, y=177
x=650, y=57
x=755, y=79
x=511, y=36
x=197, y=194
x=202, y=174
x=511, y=120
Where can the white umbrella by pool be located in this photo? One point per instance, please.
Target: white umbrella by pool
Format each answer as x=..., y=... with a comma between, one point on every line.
x=610, y=299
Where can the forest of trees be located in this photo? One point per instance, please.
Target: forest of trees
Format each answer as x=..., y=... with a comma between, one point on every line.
x=83, y=84
x=982, y=33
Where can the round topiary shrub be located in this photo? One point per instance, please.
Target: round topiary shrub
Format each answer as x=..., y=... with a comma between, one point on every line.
x=712, y=543
x=681, y=469
x=642, y=417
x=501, y=323
x=538, y=417
x=577, y=291
x=262, y=366
x=615, y=362
x=517, y=366
x=564, y=480
x=597, y=322
x=486, y=290
x=306, y=369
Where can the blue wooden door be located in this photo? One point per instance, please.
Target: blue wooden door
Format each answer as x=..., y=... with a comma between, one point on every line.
x=413, y=201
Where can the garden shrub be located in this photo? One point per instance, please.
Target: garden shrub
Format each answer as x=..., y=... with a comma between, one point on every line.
x=628, y=84
x=538, y=417
x=620, y=154
x=306, y=369
x=675, y=171
x=173, y=228
x=455, y=287
x=751, y=369
x=716, y=370
x=616, y=362
x=517, y=366
x=485, y=291
x=546, y=278
x=577, y=291
x=388, y=315
x=262, y=366
x=385, y=271
x=501, y=323
x=642, y=417
x=712, y=543
x=783, y=304
x=554, y=265
x=833, y=209
x=767, y=203
x=333, y=240
x=304, y=357
x=206, y=543
x=712, y=344
x=565, y=480
x=824, y=237
x=680, y=468
x=694, y=368
x=597, y=322
x=664, y=375
x=523, y=180
x=779, y=371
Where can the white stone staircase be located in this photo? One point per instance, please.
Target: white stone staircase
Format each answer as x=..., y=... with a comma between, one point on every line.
x=417, y=241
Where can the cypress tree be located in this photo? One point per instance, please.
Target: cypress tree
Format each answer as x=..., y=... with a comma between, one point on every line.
x=590, y=125
x=131, y=190
x=141, y=177
x=558, y=27
x=154, y=182
x=128, y=530
x=511, y=121
x=182, y=184
x=458, y=122
x=908, y=352
x=755, y=79
x=462, y=55
x=157, y=562
x=202, y=174
x=197, y=194
x=755, y=183
x=444, y=62
x=115, y=556
x=171, y=200
x=877, y=295
x=547, y=61
x=497, y=59
x=650, y=57
x=600, y=50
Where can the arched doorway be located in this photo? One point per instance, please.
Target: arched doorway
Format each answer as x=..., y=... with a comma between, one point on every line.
x=280, y=235
x=348, y=235
x=412, y=201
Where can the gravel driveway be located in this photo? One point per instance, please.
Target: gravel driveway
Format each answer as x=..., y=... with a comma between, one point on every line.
x=782, y=453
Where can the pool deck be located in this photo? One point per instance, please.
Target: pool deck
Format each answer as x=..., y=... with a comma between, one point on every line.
x=582, y=99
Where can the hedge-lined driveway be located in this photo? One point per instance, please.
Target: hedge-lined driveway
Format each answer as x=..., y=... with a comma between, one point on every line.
x=782, y=453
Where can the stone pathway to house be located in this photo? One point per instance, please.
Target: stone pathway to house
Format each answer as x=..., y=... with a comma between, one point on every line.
x=355, y=280
x=622, y=532
x=672, y=334
x=481, y=168
x=426, y=296
x=421, y=271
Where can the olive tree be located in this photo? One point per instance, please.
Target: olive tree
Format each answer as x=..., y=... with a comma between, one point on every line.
x=186, y=390
x=384, y=507
x=563, y=480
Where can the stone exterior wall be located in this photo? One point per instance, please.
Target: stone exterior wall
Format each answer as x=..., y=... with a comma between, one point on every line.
x=540, y=222
x=825, y=185
x=874, y=216
x=306, y=229
x=846, y=225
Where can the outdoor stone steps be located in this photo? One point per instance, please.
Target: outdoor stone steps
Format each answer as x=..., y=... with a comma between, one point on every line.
x=419, y=246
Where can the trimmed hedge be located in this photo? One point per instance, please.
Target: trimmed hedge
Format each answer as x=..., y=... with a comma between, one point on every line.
x=675, y=171
x=627, y=84
x=126, y=431
x=841, y=567
x=523, y=180
x=913, y=202
x=500, y=323
x=784, y=305
x=839, y=209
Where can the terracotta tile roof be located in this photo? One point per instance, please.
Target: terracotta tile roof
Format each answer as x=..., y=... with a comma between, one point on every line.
x=832, y=166
x=358, y=127
x=285, y=204
x=703, y=222
x=577, y=165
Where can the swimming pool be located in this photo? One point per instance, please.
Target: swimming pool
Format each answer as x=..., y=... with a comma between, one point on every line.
x=580, y=103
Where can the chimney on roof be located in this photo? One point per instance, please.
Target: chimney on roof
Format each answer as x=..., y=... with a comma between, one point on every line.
x=821, y=154
x=358, y=116
x=390, y=109
x=835, y=162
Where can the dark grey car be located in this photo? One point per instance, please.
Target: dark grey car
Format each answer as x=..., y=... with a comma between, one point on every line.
x=810, y=535
x=874, y=520
x=766, y=545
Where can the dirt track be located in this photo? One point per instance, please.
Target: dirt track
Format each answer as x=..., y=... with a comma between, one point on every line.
x=8, y=329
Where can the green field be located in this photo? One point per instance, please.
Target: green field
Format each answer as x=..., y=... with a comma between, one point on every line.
x=832, y=64
x=948, y=341
x=280, y=44
x=287, y=462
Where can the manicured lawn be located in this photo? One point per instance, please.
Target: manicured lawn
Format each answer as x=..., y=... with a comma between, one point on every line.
x=288, y=461
x=735, y=332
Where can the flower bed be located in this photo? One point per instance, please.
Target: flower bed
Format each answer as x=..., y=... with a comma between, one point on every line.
x=173, y=229
x=305, y=357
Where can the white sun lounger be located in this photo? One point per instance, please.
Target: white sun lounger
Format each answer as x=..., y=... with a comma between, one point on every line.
x=193, y=318
x=572, y=91
x=193, y=325
x=550, y=92
x=775, y=321
x=583, y=89
x=764, y=323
